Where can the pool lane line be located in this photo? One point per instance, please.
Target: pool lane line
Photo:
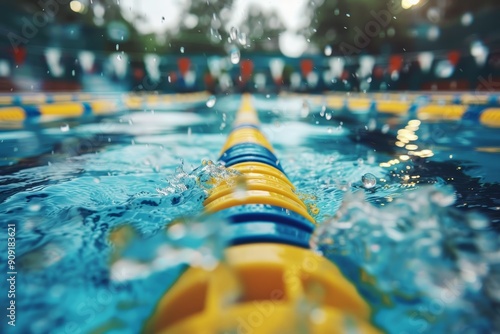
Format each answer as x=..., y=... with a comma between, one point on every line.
x=97, y=106
x=426, y=110
x=66, y=110
x=22, y=99
x=269, y=231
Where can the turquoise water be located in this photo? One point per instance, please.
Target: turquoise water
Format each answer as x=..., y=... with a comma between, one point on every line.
x=428, y=229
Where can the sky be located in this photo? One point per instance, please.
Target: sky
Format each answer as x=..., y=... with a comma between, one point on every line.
x=165, y=14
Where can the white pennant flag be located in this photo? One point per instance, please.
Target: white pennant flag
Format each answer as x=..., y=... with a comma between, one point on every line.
x=4, y=68
x=276, y=65
x=119, y=61
x=53, y=58
x=366, y=64
x=152, y=64
x=86, y=60
x=260, y=80
x=214, y=66
x=480, y=53
x=336, y=66
x=190, y=78
x=425, y=60
x=312, y=79
x=295, y=80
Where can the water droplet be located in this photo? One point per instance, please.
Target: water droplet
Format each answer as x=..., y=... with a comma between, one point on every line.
x=344, y=185
x=211, y=101
x=182, y=49
x=329, y=130
x=235, y=55
x=233, y=33
x=328, y=50
x=163, y=19
x=117, y=47
x=328, y=116
x=119, y=57
x=304, y=111
x=216, y=36
x=97, y=180
x=64, y=127
x=369, y=180
x=242, y=38
x=240, y=188
x=322, y=112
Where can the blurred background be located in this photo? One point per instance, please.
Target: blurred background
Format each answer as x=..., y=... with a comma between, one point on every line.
x=249, y=45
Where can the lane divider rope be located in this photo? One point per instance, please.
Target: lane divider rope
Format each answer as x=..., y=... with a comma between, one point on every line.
x=269, y=232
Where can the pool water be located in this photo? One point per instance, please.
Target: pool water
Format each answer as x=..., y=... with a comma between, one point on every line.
x=424, y=237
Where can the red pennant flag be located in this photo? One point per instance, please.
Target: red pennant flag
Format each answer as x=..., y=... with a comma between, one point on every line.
x=454, y=57
x=184, y=64
x=395, y=63
x=378, y=72
x=138, y=73
x=306, y=66
x=19, y=55
x=172, y=77
x=345, y=75
x=246, y=69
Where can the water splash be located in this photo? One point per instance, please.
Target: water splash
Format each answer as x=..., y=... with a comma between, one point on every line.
x=437, y=250
x=197, y=241
x=64, y=128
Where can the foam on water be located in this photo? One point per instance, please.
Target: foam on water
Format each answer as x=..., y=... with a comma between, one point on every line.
x=431, y=261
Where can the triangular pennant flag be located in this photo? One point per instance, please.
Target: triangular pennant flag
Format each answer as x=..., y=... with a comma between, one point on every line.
x=4, y=68
x=366, y=64
x=454, y=57
x=395, y=63
x=190, y=78
x=425, y=60
x=119, y=61
x=312, y=79
x=184, y=65
x=86, y=60
x=152, y=65
x=480, y=53
x=260, y=80
x=53, y=58
x=214, y=66
x=336, y=66
x=246, y=69
x=19, y=55
x=276, y=66
x=306, y=66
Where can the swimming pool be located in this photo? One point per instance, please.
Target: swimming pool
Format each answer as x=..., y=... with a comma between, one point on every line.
x=66, y=184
